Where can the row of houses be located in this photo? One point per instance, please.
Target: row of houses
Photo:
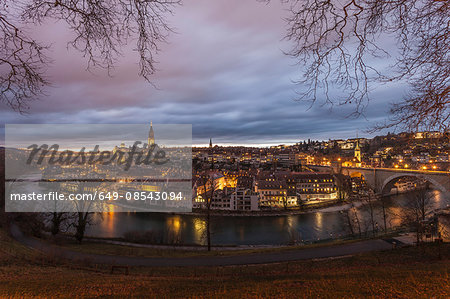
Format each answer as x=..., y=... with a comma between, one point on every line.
x=265, y=190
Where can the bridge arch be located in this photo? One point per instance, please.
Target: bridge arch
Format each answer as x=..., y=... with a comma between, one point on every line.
x=388, y=182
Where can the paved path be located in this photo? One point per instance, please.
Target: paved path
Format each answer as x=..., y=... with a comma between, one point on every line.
x=243, y=259
x=179, y=247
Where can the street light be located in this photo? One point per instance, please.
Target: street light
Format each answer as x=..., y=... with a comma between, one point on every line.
x=406, y=165
x=396, y=166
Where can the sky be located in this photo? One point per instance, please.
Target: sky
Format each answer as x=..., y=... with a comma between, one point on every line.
x=223, y=70
x=105, y=136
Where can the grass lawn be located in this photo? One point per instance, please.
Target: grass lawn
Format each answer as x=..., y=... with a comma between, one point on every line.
x=401, y=273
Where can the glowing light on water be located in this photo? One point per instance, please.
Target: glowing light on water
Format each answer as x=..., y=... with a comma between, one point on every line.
x=199, y=230
x=318, y=220
x=174, y=223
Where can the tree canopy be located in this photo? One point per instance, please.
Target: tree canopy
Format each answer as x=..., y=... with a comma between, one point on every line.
x=336, y=40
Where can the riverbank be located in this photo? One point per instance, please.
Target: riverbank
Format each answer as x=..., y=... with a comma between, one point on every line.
x=274, y=212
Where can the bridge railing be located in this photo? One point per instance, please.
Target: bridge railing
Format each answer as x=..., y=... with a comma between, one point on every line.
x=388, y=169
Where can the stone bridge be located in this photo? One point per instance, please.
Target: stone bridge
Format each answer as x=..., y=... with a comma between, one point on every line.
x=382, y=179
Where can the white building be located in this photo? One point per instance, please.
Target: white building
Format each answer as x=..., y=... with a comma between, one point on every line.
x=245, y=200
x=230, y=199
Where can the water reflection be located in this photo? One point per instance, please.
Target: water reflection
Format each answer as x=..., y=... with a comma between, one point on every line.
x=174, y=229
x=199, y=230
x=108, y=218
x=318, y=219
x=190, y=229
x=174, y=224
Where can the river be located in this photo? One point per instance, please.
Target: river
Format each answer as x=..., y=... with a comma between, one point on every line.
x=253, y=230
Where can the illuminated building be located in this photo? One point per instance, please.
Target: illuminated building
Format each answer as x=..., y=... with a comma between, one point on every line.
x=357, y=155
x=151, y=135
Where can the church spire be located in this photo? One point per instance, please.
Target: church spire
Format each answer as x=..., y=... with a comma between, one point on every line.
x=357, y=152
x=151, y=135
x=210, y=142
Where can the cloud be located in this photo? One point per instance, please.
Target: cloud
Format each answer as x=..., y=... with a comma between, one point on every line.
x=223, y=71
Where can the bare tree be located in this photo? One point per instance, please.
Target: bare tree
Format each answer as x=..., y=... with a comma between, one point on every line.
x=101, y=29
x=207, y=190
x=82, y=218
x=337, y=39
x=349, y=221
x=351, y=214
x=22, y=63
x=2, y=183
x=384, y=212
x=343, y=186
x=83, y=211
x=208, y=201
x=416, y=211
x=368, y=201
x=356, y=216
x=57, y=219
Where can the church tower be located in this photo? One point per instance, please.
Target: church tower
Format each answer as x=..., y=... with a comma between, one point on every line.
x=211, y=153
x=357, y=154
x=151, y=135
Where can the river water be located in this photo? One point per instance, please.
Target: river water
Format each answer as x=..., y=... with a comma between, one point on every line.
x=253, y=230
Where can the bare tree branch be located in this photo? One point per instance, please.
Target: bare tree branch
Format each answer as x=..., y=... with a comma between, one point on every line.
x=22, y=64
x=335, y=40
x=101, y=29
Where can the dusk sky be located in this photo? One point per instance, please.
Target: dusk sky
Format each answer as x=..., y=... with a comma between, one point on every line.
x=223, y=71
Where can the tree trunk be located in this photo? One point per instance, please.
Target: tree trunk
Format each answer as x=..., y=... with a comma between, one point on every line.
x=208, y=228
x=417, y=231
x=81, y=226
x=56, y=223
x=372, y=220
x=357, y=221
x=350, y=224
x=384, y=214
